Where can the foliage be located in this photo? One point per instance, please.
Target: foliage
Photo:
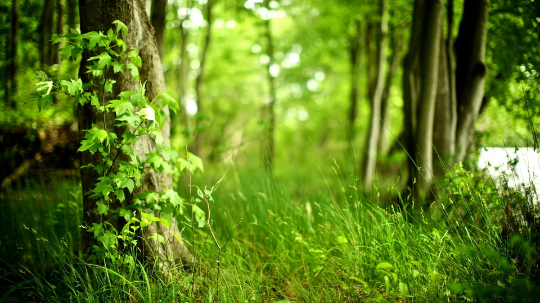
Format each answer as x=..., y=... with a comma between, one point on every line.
x=136, y=116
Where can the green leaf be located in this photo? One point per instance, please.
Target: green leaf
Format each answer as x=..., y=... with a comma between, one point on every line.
x=403, y=289
x=134, y=70
x=102, y=208
x=120, y=26
x=65, y=52
x=158, y=237
x=44, y=101
x=342, y=240
x=127, y=183
x=118, y=67
x=104, y=60
x=199, y=215
x=120, y=106
x=168, y=100
x=383, y=265
x=44, y=87
x=195, y=162
x=126, y=213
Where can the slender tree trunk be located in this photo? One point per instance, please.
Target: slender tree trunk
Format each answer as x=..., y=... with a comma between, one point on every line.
x=182, y=77
x=46, y=32
x=471, y=70
x=59, y=30
x=370, y=157
x=98, y=15
x=411, y=87
x=199, y=81
x=395, y=62
x=429, y=67
x=268, y=142
x=11, y=81
x=355, y=50
x=158, y=22
x=371, y=55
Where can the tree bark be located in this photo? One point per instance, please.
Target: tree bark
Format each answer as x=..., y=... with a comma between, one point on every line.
x=198, y=148
x=429, y=67
x=182, y=78
x=11, y=71
x=98, y=15
x=158, y=22
x=471, y=70
x=370, y=155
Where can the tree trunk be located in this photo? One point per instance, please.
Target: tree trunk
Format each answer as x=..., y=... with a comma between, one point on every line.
x=471, y=70
x=355, y=50
x=444, y=130
x=182, y=77
x=59, y=30
x=411, y=87
x=198, y=148
x=98, y=15
x=158, y=22
x=395, y=62
x=72, y=13
x=370, y=154
x=11, y=71
x=46, y=28
x=269, y=118
x=429, y=67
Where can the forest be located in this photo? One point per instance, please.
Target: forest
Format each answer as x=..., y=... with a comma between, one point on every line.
x=269, y=151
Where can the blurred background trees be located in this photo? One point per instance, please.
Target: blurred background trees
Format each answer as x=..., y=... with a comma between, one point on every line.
x=282, y=84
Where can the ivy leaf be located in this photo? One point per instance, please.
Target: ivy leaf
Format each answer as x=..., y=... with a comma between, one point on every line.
x=199, y=215
x=118, y=67
x=104, y=60
x=134, y=70
x=127, y=183
x=195, y=162
x=120, y=26
x=166, y=99
x=103, y=188
x=120, y=106
x=102, y=208
x=65, y=52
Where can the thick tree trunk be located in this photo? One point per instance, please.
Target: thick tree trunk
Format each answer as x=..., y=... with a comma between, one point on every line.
x=429, y=67
x=199, y=140
x=269, y=118
x=158, y=22
x=355, y=53
x=395, y=62
x=370, y=154
x=46, y=29
x=471, y=70
x=98, y=15
x=11, y=71
x=444, y=130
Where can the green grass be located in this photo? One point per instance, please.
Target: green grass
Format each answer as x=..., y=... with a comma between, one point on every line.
x=295, y=238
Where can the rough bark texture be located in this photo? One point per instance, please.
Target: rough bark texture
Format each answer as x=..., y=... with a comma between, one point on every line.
x=471, y=70
x=370, y=154
x=72, y=13
x=429, y=66
x=355, y=50
x=198, y=148
x=98, y=15
x=158, y=22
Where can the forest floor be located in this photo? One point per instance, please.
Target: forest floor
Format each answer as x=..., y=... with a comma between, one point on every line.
x=296, y=238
